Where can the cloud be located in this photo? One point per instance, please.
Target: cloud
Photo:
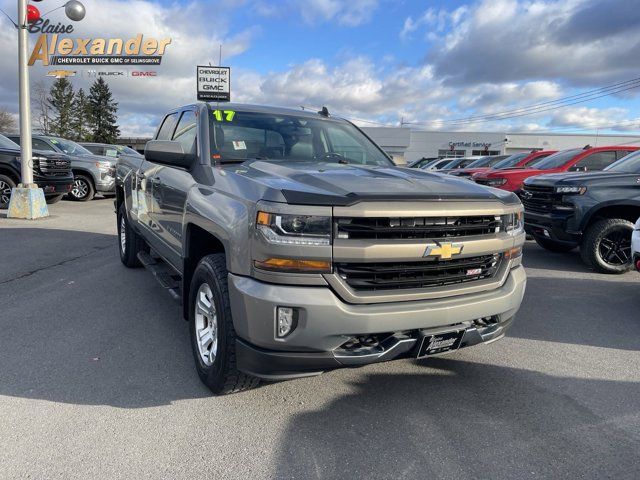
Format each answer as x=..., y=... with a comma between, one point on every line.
x=349, y=13
x=581, y=42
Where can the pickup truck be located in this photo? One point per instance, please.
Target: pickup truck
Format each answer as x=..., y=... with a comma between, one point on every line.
x=585, y=159
x=595, y=211
x=51, y=172
x=295, y=246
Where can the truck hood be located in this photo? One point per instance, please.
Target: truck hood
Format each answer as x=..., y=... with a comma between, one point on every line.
x=308, y=183
x=589, y=178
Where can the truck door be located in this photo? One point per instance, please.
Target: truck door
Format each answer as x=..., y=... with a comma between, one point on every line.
x=144, y=202
x=170, y=188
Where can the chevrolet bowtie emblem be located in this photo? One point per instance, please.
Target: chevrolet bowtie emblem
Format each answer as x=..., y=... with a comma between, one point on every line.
x=443, y=250
x=61, y=73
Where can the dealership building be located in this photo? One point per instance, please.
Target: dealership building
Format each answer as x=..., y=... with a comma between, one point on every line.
x=406, y=144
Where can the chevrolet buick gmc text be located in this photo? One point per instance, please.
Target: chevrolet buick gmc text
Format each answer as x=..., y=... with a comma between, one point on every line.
x=296, y=246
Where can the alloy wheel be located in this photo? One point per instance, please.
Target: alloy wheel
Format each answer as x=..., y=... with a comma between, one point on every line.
x=123, y=235
x=80, y=188
x=615, y=246
x=5, y=193
x=206, y=323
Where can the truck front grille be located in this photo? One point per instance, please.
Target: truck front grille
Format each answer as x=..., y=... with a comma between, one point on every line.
x=396, y=228
x=538, y=199
x=52, y=166
x=424, y=274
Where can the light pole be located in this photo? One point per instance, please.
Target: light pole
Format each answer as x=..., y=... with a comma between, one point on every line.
x=27, y=200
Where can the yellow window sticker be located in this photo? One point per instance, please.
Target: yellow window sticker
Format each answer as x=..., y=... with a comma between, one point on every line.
x=224, y=115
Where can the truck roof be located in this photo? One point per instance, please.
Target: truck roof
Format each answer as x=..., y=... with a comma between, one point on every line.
x=246, y=107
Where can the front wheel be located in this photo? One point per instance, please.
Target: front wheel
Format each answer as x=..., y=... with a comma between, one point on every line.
x=606, y=246
x=213, y=338
x=82, y=190
x=553, y=246
x=129, y=242
x=6, y=185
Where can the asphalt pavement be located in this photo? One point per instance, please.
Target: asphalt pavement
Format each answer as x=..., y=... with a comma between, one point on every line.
x=97, y=381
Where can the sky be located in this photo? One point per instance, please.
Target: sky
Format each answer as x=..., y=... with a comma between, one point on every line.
x=435, y=65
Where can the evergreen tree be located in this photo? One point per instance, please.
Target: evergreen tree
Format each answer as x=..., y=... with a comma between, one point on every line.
x=81, y=117
x=60, y=100
x=103, y=113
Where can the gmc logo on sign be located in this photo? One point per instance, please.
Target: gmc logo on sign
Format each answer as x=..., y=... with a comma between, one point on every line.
x=144, y=74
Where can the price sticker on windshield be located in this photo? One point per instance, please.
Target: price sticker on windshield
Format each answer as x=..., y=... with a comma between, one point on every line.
x=224, y=115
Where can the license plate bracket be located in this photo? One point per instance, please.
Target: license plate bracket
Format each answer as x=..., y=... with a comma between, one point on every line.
x=440, y=343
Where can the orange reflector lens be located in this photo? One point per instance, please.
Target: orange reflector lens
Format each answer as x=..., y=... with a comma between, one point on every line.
x=513, y=252
x=264, y=218
x=293, y=265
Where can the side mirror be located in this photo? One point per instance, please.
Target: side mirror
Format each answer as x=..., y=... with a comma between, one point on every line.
x=166, y=152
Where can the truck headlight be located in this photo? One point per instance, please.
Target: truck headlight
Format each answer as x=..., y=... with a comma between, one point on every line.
x=494, y=182
x=294, y=229
x=106, y=166
x=513, y=222
x=571, y=190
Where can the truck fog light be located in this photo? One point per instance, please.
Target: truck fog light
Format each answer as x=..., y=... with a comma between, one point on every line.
x=286, y=321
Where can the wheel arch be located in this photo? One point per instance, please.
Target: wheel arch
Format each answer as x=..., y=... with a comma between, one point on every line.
x=10, y=172
x=628, y=210
x=198, y=243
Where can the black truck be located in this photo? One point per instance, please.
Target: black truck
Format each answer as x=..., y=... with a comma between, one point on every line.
x=594, y=211
x=51, y=171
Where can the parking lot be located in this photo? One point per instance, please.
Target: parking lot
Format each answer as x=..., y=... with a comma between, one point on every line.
x=97, y=380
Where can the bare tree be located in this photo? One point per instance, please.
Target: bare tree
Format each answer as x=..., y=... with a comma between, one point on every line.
x=7, y=120
x=41, y=108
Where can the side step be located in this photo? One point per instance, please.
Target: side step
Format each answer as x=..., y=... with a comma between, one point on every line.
x=163, y=275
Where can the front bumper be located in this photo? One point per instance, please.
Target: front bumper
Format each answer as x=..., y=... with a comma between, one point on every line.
x=325, y=323
x=54, y=186
x=554, y=226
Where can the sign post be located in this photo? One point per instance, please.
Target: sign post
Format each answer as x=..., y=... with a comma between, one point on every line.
x=214, y=83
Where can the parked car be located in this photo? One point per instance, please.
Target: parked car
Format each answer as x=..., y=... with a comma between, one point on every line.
x=109, y=150
x=437, y=164
x=635, y=245
x=484, y=163
x=595, y=211
x=296, y=246
x=51, y=172
x=421, y=162
x=517, y=160
x=462, y=162
x=92, y=173
x=573, y=160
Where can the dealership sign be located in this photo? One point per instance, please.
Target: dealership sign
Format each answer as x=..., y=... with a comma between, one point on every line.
x=51, y=49
x=214, y=83
x=470, y=144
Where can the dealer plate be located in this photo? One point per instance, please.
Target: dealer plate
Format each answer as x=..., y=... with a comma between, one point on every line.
x=440, y=343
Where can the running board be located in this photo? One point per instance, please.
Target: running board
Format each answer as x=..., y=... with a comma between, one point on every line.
x=162, y=274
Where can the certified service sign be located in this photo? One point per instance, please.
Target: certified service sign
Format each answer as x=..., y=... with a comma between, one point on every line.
x=214, y=83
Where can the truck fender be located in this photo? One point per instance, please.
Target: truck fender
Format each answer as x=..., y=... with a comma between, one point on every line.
x=588, y=216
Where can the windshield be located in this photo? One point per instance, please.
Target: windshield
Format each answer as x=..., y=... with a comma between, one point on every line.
x=460, y=163
x=486, y=162
x=6, y=143
x=238, y=136
x=511, y=160
x=127, y=150
x=557, y=159
x=69, y=147
x=627, y=164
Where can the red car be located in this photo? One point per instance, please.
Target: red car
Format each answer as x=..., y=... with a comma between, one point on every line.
x=517, y=160
x=574, y=160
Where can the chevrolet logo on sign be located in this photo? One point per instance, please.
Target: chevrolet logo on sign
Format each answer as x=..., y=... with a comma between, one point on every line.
x=61, y=73
x=443, y=250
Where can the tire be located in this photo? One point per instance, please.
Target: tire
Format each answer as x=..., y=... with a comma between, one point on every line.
x=209, y=286
x=606, y=246
x=553, y=246
x=129, y=242
x=83, y=189
x=6, y=185
x=54, y=199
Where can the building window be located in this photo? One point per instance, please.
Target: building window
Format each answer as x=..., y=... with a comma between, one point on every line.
x=485, y=152
x=451, y=153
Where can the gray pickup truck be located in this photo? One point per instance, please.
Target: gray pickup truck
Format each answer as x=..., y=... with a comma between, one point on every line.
x=296, y=246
